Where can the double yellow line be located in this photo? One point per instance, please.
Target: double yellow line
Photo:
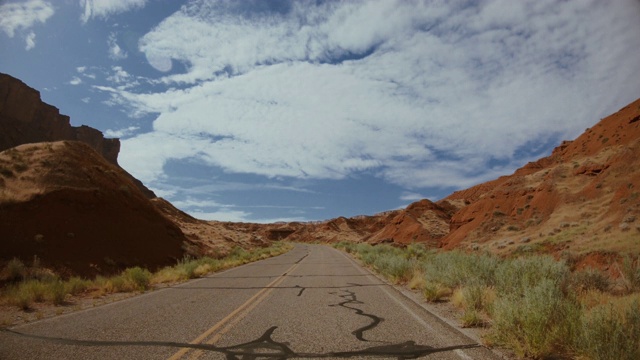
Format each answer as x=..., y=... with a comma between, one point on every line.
x=223, y=326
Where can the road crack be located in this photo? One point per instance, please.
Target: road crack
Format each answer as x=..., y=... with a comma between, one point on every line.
x=350, y=298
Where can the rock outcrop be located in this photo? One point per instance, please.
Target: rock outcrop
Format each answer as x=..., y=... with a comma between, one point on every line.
x=584, y=197
x=25, y=119
x=64, y=204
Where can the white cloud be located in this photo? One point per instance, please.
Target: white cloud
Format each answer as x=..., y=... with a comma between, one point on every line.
x=81, y=69
x=239, y=216
x=104, y=8
x=420, y=94
x=411, y=196
x=31, y=41
x=75, y=81
x=121, y=132
x=115, y=51
x=212, y=210
x=121, y=78
x=24, y=16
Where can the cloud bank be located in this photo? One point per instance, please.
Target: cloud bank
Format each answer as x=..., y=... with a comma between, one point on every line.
x=22, y=16
x=104, y=8
x=420, y=94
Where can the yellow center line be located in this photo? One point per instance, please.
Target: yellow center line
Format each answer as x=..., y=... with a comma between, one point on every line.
x=247, y=306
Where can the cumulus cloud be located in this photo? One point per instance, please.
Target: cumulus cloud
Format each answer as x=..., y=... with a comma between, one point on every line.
x=23, y=16
x=104, y=8
x=421, y=94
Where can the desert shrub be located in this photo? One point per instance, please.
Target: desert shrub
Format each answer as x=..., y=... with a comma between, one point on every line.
x=434, y=292
x=473, y=296
x=455, y=268
x=471, y=318
x=610, y=332
x=518, y=275
x=76, y=285
x=188, y=268
x=238, y=253
x=631, y=273
x=536, y=320
x=19, y=296
x=396, y=268
x=36, y=288
x=136, y=278
x=55, y=292
x=116, y=284
x=416, y=251
x=475, y=300
x=589, y=279
x=15, y=270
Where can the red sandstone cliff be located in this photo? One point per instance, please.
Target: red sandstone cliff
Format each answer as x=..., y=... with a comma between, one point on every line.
x=25, y=119
x=63, y=203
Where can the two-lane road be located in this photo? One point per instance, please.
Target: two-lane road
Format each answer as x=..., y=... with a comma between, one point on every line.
x=311, y=303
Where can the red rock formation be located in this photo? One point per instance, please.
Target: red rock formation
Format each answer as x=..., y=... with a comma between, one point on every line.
x=66, y=205
x=584, y=197
x=25, y=119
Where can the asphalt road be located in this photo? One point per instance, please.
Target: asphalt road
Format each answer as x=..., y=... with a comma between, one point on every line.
x=311, y=303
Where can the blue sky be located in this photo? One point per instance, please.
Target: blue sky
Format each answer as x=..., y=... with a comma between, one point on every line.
x=307, y=110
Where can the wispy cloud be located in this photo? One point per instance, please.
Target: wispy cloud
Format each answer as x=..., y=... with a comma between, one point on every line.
x=240, y=216
x=104, y=8
x=421, y=94
x=23, y=16
x=207, y=209
x=75, y=81
x=115, y=51
x=129, y=131
x=30, y=40
x=411, y=196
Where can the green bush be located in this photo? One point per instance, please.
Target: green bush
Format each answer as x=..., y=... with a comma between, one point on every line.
x=434, y=292
x=76, y=285
x=610, y=333
x=473, y=297
x=19, y=296
x=15, y=270
x=518, y=275
x=455, y=268
x=471, y=318
x=137, y=278
x=396, y=268
x=238, y=253
x=55, y=292
x=631, y=272
x=535, y=321
x=590, y=279
x=416, y=251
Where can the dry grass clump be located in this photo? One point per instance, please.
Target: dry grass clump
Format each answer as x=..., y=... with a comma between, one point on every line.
x=29, y=284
